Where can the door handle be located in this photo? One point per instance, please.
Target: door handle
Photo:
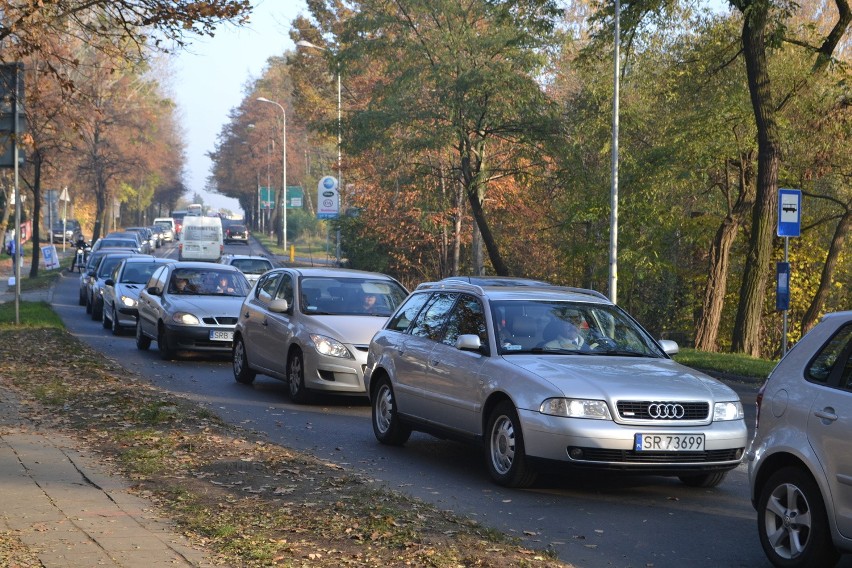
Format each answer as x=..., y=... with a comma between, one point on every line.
x=265, y=322
x=826, y=414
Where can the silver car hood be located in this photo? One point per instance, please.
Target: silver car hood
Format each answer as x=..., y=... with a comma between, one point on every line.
x=207, y=305
x=128, y=289
x=354, y=330
x=604, y=377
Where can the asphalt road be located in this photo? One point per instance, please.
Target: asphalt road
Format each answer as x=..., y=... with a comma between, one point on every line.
x=590, y=520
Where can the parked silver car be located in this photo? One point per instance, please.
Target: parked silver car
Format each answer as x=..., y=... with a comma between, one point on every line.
x=310, y=327
x=190, y=306
x=87, y=275
x=548, y=375
x=800, y=461
x=122, y=288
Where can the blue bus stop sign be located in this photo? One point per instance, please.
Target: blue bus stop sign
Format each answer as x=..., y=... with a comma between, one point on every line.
x=789, y=212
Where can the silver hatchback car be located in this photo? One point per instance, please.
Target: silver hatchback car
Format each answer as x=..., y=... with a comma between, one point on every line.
x=548, y=375
x=800, y=461
x=310, y=327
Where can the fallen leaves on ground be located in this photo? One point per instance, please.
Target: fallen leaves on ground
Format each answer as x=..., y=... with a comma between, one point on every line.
x=246, y=500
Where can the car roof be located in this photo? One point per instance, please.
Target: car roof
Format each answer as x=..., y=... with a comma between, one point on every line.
x=147, y=259
x=340, y=273
x=203, y=265
x=522, y=292
x=245, y=257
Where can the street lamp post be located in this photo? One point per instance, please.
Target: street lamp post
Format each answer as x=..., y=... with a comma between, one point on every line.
x=305, y=43
x=283, y=200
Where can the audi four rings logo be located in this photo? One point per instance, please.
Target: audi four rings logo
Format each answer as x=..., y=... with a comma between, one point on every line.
x=666, y=410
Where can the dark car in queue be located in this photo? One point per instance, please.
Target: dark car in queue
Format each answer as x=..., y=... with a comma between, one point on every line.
x=122, y=288
x=548, y=377
x=310, y=327
x=236, y=234
x=190, y=306
x=95, y=286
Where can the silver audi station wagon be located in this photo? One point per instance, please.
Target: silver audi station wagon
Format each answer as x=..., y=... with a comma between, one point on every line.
x=548, y=376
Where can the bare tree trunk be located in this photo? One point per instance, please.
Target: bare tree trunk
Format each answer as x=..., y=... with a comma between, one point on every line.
x=837, y=241
x=457, y=227
x=747, y=326
x=36, y=187
x=707, y=330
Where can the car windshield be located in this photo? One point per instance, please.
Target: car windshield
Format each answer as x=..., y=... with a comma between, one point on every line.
x=208, y=282
x=559, y=327
x=138, y=272
x=251, y=265
x=118, y=243
x=350, y=296
x=107, y=265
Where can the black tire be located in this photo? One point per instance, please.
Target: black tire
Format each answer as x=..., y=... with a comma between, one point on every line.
x=115, y=327
x=296, y=378
x=104, y=321
x=97, y=309
x=166, y=352
x=704, y=480
x=788, y=495
x=387, y=426
x=243, y=374
x=88, y=303
x=504, y=448
x=143, y=342
x=82, y=299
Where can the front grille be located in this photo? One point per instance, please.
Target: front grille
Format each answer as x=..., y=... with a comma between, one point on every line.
x=221, y=320
x=670, y=411
x=630, y=456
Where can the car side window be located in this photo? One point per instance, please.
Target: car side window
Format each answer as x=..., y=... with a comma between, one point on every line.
x=431, y=320
x=157, y=279
x=266, y=289
x=407, y=312
x=834, y=354
x=466, y=318
x=285, y=290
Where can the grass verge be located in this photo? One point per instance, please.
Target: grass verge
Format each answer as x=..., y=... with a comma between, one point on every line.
x=247, y=501
x=727, y=363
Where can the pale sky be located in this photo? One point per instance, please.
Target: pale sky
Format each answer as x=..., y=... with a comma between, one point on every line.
x=209, y=81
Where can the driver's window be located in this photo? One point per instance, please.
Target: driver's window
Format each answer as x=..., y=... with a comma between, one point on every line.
x=266, y=290
x=285, y=290
x=466, y=318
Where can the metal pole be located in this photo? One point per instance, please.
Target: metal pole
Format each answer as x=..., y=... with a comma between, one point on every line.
x=613, y=230
x=784, y=318
x=16, y=261
x=339, y=158
x=283, y=199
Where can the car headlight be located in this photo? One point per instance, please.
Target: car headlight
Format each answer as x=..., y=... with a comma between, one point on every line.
x=332, y=347
x=185, y=318
x=576, y=408
x=723, y=411
x=128, y=301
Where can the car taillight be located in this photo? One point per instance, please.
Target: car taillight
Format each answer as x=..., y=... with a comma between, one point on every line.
x=757, y=402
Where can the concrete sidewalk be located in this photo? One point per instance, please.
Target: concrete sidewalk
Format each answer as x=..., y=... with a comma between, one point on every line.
x=67, y=507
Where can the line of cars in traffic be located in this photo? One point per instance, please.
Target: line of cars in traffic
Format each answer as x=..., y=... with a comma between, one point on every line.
x=541, y=377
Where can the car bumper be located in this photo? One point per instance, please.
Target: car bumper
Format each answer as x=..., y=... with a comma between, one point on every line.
x=333, y=374
x=605, y=444
x=197, y=338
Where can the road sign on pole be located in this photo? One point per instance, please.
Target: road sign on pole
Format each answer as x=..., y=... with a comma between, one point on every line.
x=328, y=206
x=789, y=212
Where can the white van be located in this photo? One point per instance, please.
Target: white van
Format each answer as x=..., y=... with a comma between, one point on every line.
x=201, y=239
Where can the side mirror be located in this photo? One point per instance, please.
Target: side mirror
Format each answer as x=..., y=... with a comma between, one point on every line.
x=669, y=347
x=279, y=306
x=154, y=291
x=468, y=342
x=109, y=282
